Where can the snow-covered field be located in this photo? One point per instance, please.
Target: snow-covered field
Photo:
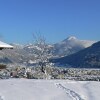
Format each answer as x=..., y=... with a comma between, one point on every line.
x=25, y=89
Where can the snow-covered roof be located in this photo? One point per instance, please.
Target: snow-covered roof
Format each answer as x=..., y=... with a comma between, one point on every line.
x=5, y=45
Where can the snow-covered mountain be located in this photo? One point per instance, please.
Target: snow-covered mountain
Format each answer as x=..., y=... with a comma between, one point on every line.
x=23, y=54
x=87, y=58
x=70, y=45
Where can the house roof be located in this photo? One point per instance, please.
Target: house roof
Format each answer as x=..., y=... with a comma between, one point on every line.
x=5, y=45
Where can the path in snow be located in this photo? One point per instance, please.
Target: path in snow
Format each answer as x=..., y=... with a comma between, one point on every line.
x=71, y=93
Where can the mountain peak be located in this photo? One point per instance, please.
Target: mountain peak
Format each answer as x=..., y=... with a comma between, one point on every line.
x=71, y=38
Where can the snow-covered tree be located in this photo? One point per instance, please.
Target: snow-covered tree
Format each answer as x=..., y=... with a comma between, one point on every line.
x=43, y=51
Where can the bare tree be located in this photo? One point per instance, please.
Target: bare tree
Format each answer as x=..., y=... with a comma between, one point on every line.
x=43, y=52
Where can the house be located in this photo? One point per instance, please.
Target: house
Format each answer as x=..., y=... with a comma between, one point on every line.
x=5, y=46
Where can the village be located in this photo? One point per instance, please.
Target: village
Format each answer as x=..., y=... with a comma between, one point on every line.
x=50, y=73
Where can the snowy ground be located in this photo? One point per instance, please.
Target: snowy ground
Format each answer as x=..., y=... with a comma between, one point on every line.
x=25, y=89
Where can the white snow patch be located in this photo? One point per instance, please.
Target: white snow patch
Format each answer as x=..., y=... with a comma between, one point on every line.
x=29, y=89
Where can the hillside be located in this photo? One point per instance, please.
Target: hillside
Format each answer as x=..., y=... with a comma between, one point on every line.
x=87, y=58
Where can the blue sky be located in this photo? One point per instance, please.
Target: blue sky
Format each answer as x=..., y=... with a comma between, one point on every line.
x=53, y=19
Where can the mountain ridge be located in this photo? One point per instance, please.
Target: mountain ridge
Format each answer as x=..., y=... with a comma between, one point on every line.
x=86, y=58
x=23, y=54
